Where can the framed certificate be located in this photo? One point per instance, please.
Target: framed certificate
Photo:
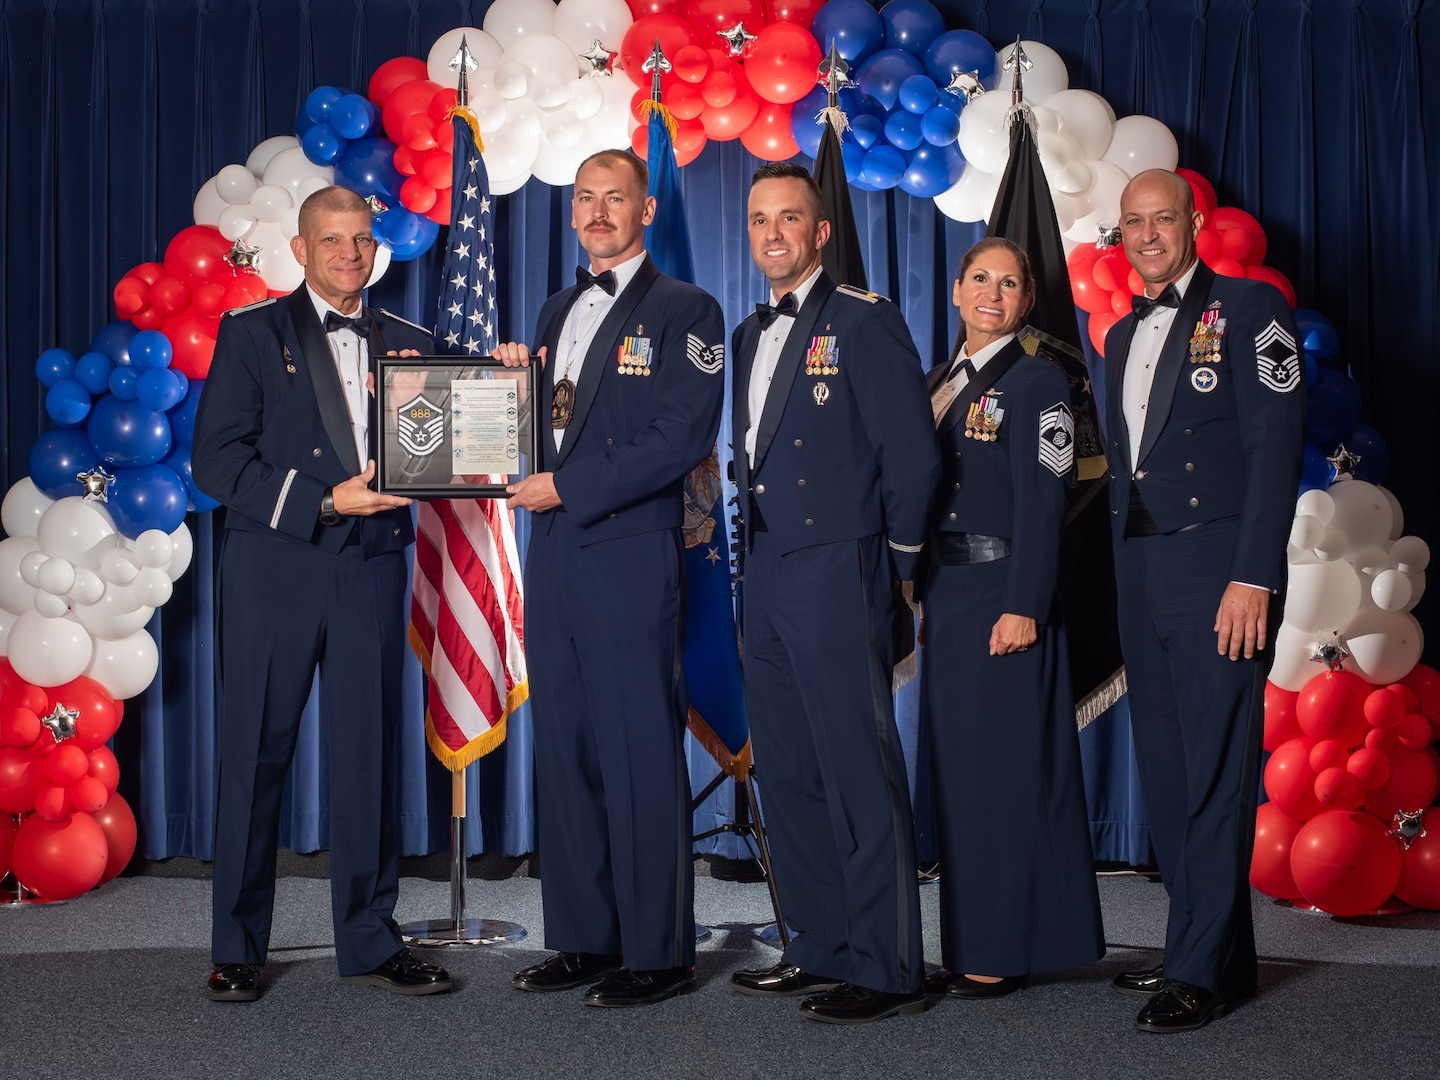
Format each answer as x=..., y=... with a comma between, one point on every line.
x=452, y=427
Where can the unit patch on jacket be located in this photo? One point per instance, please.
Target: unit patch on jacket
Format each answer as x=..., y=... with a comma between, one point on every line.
x=1057, y=439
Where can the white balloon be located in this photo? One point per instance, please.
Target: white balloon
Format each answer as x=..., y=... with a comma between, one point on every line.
x=1047, y=75
x=562, y=129
x=586, y=97
x=115, y=615
x=1292, y=667
x=260, y=158
x=1306, y=531
x=7, y=620
x=543, y=53
x=1322, y=596
x=270, y=202
x=550, y=90
x=1384, y=645
x=556, y=165
x=1410, y=554
x=1084, y=116
x=1065, y=204
x=208, y=204
x=1391, y=591
x=1139, y=143
x=125, y=667
x=50, y=605
x=152, y=587
x=77, y=530
x=276, y=262
x=510, y=151
x=1333, y=544
x=236, y=221
x=1317, y=504
x=482, y=46
x=489, y=109
x=309, y=186
x=512, y=81
x=1369, y=561
x=1099, y=204
x=507, y=21
x=1362, y=511
x=973, y=196
x=383, y=258
x=1397, y=526
x=88, y=587
x=153, y=548
x=23, y=507
x=291, y=168
x=118, y=567
x=48, y=651
x=30, y=565
x=17, y=595
x=1417, y=588
x=182, y=548
x=56, y=576
x=236, y=184
x=580, y=22
x=984, y=135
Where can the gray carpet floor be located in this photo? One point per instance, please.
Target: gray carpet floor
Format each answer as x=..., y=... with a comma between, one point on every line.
x=110, y=986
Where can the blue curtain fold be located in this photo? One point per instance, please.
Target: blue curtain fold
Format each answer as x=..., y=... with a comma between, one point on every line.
x=1321, y=117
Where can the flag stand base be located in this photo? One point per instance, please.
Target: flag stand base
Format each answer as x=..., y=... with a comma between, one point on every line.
x=458, y=930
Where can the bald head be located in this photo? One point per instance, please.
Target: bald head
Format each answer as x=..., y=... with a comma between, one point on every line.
x=330, y=200
x=1175, y=186
x=1159, y=224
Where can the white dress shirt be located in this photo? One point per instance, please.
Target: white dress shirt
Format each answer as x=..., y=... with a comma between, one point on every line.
x=1145, y=347
x=767, y=356
x=351, y=354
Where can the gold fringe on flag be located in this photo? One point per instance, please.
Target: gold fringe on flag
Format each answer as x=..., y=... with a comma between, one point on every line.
x=649, y=106
x=470, y=120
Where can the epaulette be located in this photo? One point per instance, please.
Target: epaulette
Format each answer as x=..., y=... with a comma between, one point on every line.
x=252, y=307
x=397, y=318
x=860, y=294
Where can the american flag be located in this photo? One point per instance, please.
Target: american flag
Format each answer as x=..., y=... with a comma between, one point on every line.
x=466, y=617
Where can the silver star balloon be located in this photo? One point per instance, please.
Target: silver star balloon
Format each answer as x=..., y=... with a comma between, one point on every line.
x=61, y=722
x=602, y=60
x=376, y=206
x=967, y=84
x=1409, y=826
x=738, y=38
x=242, y=256
x=1329, y=650
x=1342, y=464
x=97, y=484
x=1109, y=236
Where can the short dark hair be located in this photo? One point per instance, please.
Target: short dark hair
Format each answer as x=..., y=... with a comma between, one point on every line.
x=787, y=170
x=330, y=200
x=623, y=159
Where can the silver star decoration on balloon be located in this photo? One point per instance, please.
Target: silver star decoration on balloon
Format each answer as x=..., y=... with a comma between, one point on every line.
x=1342, y=464
x=1330, y=651
x=243, y=257
x=376, y=206
x=602, y=60
x=967, y=84
x=738, y=38
x=61, y=722
x=1109, y=236
x=97, y=484
x=1409, y=826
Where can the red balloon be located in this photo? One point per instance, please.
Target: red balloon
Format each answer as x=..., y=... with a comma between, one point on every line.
x=440, y=212
x=1084, y=256
x=417, y=195
x=1270, y=862
x=1338, y=790
x=1227, y=267
x=1424, y=682
x=405, y=101
x=1414, y=731
x=1419, y=884
x=59, y=860
x=117, y=821
x=197, y=253
x=438, y=168
x=67, y=764
x=1111, y=270
x=690, y=139
x=1203, y=189
x=769, y=136
x=21, y=777
x=440, y=104
x=711, y=16
x=1280, y=723
x=10, y=683
x=1383, y=741
x=1236, y=244
x=1088, y=295
x=208, y=299
x=673, y=32
x=642, y=8
x=1332, y=706
x=192, y=337
x=728, y=119
x=7, y=843
x=1271, y=276
x=19, y=728
x=149, y=272
x=1208, y=245
x=1370, y=767
x=1414, y=782
x=100, y=714
x=417, y=131
x=685, y=101
x=799, y=12
x=1327, y=754
x=1226, y=218
x=1290, y=782
x=692, y=64
x=87, y=795
x=1100, y=326
x=1120, y=303
x=52, y=803
x=1344, y=863
x=170, y=296
x=782, y=65
x=131, y=296
x=1385, y=708
x=393, y=74
x=104, y=767
x=1136, y=283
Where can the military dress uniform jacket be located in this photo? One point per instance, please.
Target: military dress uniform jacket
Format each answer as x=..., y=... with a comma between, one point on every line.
x=647, y=406
x=1014, y=485
x=846, y=446
x=1224, y=424
x=273, y=432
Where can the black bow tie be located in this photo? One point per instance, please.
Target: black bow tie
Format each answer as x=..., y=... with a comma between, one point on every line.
x=768, y=314
x=360, y=324
x=605, y=279
x=1143, y=305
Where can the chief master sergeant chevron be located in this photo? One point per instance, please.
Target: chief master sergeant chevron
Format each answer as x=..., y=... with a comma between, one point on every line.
x=835, y=463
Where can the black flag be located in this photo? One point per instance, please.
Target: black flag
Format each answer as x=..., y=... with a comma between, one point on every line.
x=1025, y=213
x=841, y=256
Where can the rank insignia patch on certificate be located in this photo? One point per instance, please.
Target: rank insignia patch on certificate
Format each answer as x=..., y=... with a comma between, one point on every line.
x=420, y=427
x=634, y=356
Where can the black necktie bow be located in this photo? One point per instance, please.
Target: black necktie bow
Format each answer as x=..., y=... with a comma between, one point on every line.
x=967, y=365
x=360, y=324
x=1143, y=305
x=768, y=313
x=605, y=279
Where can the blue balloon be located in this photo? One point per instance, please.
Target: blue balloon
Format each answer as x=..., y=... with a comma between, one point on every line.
x=902, y=130
x=882, y=167
x=1366, y=444
x=53, y=365
x=911, y=24
x=124, y=383
x=56, y=456
x=940, y=126
x=1315, y=473
x=352, y=117
x=931, y=170
x=92, y=371
x=918, y=94
x=179, y=460
x=866, y=129
x=853, y=155
x=1312, y=370
x=368, y=166
x=160, y=389
x=150, y=349
x=880, y=76
x=182, y=416
x=1332, y=407
x=322, y=145
x=128, y=434
x=114, y=341
x=959, y=51
x=303, y=123
x=148, y=497
x=68, y=403
x=321, y=101
x=853, y=25
x=419, y=237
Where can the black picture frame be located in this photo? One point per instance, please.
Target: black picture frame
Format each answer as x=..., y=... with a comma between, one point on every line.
x=417, y=429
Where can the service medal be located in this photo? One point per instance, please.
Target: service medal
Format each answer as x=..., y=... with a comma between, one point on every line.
x=562, y=405
x=633, y=356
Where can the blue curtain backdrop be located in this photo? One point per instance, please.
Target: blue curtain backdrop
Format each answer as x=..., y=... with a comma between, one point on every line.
x=1321, y=117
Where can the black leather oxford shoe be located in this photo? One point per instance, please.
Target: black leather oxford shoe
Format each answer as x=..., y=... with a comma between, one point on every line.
x=851, y=1004
x=233, y=982
x=627, y=988
x=1140, y=983
x=1180, y=1006
x=404, y=973
x=782, y=980
x=966, y=987
x=566, y=971
x=938, y=980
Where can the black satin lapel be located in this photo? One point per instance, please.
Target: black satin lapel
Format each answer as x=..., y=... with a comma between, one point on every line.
x=740, y=402
x=1173, y=356
x=1115, y=394
x=599, y=360
x=790, y=356
x=320, y=364
x=984, y=379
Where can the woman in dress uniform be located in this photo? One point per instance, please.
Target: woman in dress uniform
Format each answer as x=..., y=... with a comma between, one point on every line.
x=1017, y=890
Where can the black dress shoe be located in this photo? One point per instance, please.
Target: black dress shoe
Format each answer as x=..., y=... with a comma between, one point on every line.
x=566, y=971
x=851, y=1004
x=1140, y=983
x=937, y=981
x=1180, y=1006
x=966, y=987
x=627, y=988
x=233, y=982
x=404, y=973
x=782, y=980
